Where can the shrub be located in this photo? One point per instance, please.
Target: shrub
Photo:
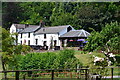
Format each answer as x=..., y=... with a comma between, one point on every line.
x=117, y=59
x=107, y=38
x=48, y=60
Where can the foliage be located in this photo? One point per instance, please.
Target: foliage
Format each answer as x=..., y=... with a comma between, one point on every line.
x=11, y=13
x=7, y=40
x=9, y=51
x=21, y=49
x=79, y=15
x=97, y=67
x=94, y=41
x=97, y=70
x=117, y=59
x=67, y=59
x=0, y=38
x=35, y=11
x=108, y=38
x=48, y=60
x=7, y=44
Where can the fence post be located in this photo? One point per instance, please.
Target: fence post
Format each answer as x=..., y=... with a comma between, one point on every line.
x=111, y=73
x=17, y=75
x=86, y=74
x=52, y=75
x=23, y=77
x=70, y=74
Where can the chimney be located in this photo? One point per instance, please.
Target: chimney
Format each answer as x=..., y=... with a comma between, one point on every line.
x=41, y=24
x=43, y=29
x=26, y=25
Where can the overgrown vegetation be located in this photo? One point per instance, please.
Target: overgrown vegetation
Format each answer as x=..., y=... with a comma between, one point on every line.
x=49, y=60
x=78, y=14
x=102, y=19
x=10, y=51
x=108, y=39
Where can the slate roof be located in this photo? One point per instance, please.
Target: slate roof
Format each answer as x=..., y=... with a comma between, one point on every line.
x=76, y=33
x=31, y=28
x=22, y=26
x=55, y=29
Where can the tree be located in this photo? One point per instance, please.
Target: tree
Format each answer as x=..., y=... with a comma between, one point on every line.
x=11, y=13
x=36, y=11
x=79, y=15
x=0, y=38
x=107, y=39
x=93, y=15
x=63, y=14
x=111, y=33
x=9, y=50
x=6, y=49
x=7, y=41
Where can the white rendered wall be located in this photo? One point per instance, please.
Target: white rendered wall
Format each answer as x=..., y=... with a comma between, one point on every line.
x=26, y=38
x=48, y=38
x=12, y=29
x=40, y=38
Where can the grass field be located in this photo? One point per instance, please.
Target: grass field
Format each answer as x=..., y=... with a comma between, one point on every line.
x=86, y=58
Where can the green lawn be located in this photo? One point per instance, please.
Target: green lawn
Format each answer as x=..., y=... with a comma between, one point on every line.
x=86, y=58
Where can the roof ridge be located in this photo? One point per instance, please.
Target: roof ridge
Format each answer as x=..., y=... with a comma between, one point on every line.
x=57, y=26
x=25, y=24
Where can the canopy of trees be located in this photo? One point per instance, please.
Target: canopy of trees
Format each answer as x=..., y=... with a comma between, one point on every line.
x=78, y=14
x=107, y=39
x=49, y=60
x=9, y=51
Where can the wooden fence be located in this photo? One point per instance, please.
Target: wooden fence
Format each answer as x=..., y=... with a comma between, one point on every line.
x=52, y=72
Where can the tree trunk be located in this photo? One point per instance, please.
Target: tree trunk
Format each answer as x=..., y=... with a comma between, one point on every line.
x=3, y=66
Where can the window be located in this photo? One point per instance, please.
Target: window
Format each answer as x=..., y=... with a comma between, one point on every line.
x=28, y=42
x=13, y=31
x=24, y=41
x=36, y=41
x=21, y=42
x=63, y=43
x=21, y=35
x=29, y=35
x=44, y=36
x=44, y=43
x=55, y=42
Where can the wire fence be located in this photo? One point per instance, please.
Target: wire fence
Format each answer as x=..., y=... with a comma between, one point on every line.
x=61, y=74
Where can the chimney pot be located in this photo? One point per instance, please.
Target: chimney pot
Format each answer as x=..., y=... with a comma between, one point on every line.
x=43, y=29
x=41, y=23
x=26, y=25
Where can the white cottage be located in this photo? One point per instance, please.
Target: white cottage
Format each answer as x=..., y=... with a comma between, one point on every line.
x=40, y=37
x=18, y=27
x=26, y=36
x=49, y=36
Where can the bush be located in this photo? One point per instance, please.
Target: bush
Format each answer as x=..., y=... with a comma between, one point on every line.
x=107, y=38
x=68, y=59
x=48, y=60
x=19, y=49
x=117, y=57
